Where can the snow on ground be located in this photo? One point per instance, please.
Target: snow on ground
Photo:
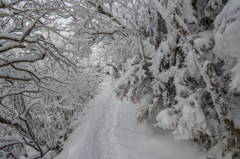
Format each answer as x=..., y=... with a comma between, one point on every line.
x=109, y=131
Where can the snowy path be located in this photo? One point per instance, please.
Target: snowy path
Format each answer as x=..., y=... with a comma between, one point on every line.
x=109, y=131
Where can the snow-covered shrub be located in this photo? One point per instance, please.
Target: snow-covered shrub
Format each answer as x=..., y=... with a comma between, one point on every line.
x=192, y=77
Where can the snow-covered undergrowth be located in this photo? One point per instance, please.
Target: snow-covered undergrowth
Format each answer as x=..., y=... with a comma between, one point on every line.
x=108, y=130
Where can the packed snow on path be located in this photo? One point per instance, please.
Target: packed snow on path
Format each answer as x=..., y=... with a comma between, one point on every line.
x=108, y=130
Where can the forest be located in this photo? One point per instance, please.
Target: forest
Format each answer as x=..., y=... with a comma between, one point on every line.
x=176, y=59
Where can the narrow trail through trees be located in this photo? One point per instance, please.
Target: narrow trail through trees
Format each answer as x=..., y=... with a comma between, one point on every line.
x=110, y=131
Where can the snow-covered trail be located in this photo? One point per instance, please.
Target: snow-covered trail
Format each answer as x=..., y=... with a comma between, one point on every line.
x=109, y=131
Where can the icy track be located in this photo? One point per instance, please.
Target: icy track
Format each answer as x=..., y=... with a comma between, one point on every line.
x=109, y=131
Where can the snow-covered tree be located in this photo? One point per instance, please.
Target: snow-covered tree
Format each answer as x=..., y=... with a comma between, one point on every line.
x=43, y=80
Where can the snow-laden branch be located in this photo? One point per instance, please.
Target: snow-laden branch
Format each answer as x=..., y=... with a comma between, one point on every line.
x=4, y=145
x=11, y=45
x=15, y=77
x=3, y=95
x=28, y=58
x=29, y=27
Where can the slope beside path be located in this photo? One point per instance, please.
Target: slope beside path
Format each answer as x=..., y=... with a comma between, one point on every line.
x=108, y=130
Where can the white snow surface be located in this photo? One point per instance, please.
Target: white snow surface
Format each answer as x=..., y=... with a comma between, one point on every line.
x=108, y=130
